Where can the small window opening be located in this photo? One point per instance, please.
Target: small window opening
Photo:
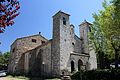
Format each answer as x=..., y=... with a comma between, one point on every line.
x=13, y=50
x=42, y=42
x=73, y=44
x=64, y=21
x=40, y=50
x=34, y=40
x=89, y=29
x=65, y=40
x=72, y=66
x=63, y=73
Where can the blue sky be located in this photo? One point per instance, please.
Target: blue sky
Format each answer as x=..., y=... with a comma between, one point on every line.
x=36, y=16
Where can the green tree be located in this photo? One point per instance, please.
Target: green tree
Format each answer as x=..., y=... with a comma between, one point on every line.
x=4, y=60
x=6, y=56
x=99, y=42
x=116, y=37
x=106, y=30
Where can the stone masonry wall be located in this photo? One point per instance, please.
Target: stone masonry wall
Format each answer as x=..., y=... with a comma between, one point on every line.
x=76, y=57
x=84, y=30
x=77, y=45
x=84, y=35
x=37, y=56
x=26, y=62
x=66, y=42
x=22, y=45
x=12, y=58
x=40, y=61
x=55, y=54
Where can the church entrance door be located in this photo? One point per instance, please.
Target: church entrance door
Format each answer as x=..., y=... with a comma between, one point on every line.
x=80, y=64
x=72, y=66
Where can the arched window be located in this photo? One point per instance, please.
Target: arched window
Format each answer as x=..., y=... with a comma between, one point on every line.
x=80, y=63
x=72, y=66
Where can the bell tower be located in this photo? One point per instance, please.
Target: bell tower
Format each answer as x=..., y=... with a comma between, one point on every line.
x=85, y=28
x=61, y=43
x=84, y=31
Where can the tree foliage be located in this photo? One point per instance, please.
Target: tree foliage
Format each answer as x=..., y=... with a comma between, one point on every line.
x=8, y=11
x=4, y=60
x=106, y=30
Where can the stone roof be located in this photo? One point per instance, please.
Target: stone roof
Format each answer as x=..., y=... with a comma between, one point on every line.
x=61, y=12
x=85, y=22
x=31, y=36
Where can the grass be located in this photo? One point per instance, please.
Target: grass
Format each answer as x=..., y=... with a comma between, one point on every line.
x=9, y=77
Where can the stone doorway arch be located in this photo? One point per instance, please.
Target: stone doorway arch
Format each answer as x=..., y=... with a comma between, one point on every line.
x=72, y=66
x=80, y=64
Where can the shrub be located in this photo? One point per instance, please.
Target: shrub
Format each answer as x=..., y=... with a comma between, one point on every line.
x=97, y=75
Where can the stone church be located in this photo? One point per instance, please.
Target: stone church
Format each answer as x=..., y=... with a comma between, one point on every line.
x=64, y=54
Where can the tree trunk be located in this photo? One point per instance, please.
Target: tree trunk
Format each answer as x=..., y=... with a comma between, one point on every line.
x=116, y=56
x=100, y=60
x=116, y=59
